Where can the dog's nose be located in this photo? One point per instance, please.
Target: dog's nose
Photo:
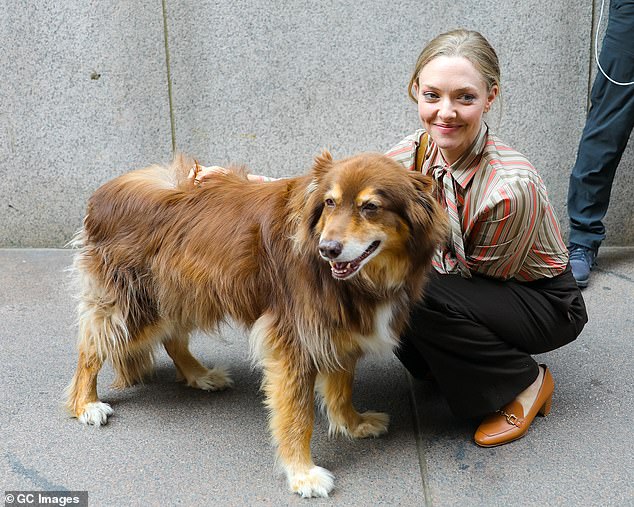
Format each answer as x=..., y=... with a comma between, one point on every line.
x=330, y=249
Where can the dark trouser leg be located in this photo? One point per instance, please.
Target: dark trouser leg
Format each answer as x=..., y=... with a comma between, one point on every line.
x=607, y=130
x=477, y=336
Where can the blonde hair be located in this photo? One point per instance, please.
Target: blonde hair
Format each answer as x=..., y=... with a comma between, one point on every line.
x=466, y=43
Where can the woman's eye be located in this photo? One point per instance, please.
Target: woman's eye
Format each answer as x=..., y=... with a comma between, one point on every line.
x=330, y=203
x=430, y=96
x=468, y=98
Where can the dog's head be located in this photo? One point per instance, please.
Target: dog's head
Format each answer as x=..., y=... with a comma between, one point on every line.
x=367, y=214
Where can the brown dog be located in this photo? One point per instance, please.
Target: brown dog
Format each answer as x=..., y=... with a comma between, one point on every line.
x=322, y=268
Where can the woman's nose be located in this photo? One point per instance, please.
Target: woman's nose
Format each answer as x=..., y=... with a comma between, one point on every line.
x=447, y=111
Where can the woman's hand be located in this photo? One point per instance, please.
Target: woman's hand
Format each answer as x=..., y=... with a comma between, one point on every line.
x=200, y=173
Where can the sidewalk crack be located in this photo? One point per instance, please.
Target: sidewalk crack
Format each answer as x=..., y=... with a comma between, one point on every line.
x=422, y=462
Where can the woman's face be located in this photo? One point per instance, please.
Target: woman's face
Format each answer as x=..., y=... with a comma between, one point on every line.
x=452, y=97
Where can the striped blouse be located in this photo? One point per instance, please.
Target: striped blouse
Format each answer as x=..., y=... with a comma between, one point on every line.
x=509, y=228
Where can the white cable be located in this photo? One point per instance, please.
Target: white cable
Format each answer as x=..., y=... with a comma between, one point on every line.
x=596, y=51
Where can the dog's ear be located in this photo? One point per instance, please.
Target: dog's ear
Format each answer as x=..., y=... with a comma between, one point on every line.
x=323, y=163
x=311, y=202
x=425, y=214
x=423, y=183
x=424, y=200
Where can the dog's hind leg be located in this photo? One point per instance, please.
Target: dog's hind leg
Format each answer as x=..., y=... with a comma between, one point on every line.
x=190, y=370
x=104, y=334
x=289, y=387
x=336, y=388
x=81, y=395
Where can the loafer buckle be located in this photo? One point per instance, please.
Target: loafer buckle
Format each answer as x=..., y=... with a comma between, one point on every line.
x=512, y=419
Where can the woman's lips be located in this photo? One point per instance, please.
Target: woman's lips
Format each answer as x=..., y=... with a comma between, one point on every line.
x=446, y=129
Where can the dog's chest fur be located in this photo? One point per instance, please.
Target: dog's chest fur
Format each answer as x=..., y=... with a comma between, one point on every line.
x=384, y=337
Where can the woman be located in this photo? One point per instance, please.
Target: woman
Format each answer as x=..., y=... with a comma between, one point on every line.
x=501, y=289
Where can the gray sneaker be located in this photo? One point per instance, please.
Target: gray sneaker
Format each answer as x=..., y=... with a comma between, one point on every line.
x=582, y=260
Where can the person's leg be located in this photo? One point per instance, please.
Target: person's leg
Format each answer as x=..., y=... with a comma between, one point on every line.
x=606, y=132
x=410, y=357
x=477, y=336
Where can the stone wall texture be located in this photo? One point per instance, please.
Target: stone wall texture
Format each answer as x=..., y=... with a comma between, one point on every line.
x=92, y=89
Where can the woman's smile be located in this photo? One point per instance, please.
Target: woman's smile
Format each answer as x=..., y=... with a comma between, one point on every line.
x=446, y=128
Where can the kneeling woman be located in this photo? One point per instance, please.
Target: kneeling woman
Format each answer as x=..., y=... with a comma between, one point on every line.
x=502, y=289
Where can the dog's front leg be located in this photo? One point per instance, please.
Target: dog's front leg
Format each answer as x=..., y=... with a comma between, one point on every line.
x=289, y=387
x=336, y=388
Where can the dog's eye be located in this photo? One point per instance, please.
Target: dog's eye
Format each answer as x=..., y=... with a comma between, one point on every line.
x=330, y=203
x=369, y=207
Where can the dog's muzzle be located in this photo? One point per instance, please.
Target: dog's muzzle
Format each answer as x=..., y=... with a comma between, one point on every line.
x=330, y=250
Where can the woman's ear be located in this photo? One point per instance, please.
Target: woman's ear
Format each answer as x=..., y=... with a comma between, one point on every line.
x=493, y=93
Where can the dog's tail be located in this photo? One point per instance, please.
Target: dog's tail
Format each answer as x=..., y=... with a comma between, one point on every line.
x=180, y=167
x=173, y=175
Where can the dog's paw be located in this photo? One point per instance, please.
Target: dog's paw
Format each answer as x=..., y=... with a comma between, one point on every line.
x=316, y=482
x=96, y=413
x=215, y=379
x=372, y=424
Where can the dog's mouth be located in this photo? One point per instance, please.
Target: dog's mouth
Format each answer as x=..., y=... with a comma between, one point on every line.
x=343, y=270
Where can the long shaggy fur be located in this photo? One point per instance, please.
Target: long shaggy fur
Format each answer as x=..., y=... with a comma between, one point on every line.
x=160, y=257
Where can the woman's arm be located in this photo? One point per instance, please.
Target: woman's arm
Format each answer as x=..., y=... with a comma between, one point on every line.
x=504, y=233
x=405, y=151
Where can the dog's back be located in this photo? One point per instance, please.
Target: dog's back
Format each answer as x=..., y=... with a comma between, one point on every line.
x=153, y=239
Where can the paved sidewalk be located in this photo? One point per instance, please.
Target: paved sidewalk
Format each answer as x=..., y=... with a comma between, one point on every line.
x=168, y=444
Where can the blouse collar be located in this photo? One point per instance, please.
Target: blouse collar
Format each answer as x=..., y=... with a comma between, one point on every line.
x=463, y=169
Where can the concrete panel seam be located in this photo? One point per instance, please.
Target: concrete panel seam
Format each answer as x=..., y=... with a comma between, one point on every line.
x=614, y=273
x=169, y=76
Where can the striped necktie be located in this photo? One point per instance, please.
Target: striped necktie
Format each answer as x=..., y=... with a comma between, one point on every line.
x=446, y=184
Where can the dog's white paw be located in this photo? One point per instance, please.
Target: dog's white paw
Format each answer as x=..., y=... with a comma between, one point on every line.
x=373, y=424
x=96, y=413
x=215, y=379
x=316, y=482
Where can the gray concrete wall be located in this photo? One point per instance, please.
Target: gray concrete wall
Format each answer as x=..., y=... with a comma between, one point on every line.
x=86, y=91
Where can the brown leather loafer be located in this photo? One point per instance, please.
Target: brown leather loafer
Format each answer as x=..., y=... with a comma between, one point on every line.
x=510, y=423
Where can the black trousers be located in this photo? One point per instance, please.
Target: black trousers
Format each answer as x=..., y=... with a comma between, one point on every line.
x=476, y=335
